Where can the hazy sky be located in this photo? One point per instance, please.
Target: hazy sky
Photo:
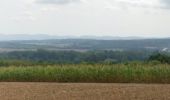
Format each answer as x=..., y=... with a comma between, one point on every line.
x=86, y=17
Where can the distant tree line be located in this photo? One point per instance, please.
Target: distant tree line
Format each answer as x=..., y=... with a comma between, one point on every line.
x=160, y=57
x=74, y=57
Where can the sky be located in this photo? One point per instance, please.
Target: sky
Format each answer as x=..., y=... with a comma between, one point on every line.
x=146, y=18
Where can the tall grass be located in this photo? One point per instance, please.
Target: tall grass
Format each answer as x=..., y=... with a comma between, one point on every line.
x=88, y=73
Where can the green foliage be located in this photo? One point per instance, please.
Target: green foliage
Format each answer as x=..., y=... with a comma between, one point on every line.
x=154, y=62
x=118, y=73
x=160, y=57
x=72, y=57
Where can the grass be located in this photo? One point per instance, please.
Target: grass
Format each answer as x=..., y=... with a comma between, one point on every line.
x=118, y=73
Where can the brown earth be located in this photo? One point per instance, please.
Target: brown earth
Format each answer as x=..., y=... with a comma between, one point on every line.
x=83, y=91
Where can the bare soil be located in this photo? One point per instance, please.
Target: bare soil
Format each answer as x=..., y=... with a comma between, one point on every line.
x=83, y=91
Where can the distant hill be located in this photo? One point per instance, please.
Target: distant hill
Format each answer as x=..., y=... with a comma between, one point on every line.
x=87, y=44
x=4, y=37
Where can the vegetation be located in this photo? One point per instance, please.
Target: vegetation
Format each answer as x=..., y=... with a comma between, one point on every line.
x=87, y=44
x=118, y=73
x=73, y=57
x=161, y=57
x=91, y=66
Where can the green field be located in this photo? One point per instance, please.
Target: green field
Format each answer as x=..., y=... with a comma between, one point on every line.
x=118, y=73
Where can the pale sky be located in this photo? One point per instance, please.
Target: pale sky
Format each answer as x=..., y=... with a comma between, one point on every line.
x=147, y=18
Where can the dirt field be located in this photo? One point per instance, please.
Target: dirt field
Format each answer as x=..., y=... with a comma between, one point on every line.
x=58, y=91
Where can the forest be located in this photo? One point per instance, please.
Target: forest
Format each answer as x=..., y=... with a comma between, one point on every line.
x=74, y=57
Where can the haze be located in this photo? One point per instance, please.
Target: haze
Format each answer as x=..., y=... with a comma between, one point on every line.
x=145, y=18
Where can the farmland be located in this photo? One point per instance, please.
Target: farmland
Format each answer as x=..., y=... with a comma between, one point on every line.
x=36, y=70
x=83, y=91
x=118, y=73
x=93, y=66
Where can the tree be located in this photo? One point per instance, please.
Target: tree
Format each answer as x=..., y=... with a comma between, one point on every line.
x=163, y=58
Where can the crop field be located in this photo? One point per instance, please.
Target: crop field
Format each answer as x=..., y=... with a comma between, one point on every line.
x=83, y=91
x=116, y=73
